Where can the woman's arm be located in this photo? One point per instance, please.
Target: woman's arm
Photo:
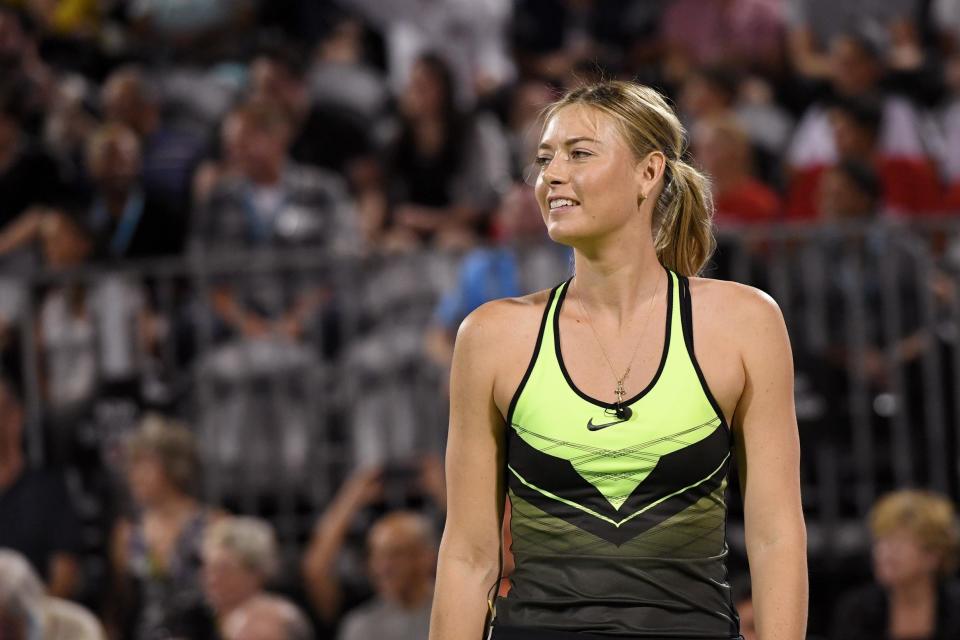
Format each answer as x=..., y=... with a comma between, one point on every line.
x=469, y=561
x=768, y=456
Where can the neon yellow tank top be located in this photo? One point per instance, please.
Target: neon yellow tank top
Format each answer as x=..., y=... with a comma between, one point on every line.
x=618, y=525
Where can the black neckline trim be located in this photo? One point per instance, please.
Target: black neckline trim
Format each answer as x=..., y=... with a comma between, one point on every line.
x=663, y=356
x=533, y=359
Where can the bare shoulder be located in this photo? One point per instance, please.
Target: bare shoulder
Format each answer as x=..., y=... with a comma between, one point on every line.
x=745, y=314
x=496, y=342
x=503, y=321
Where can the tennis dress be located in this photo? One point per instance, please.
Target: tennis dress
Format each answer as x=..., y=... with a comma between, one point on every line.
x=618, y=525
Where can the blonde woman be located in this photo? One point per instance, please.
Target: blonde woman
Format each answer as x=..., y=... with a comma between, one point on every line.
x=609, y=409
x=915, y=544
x=240, y=557
x=156, y=553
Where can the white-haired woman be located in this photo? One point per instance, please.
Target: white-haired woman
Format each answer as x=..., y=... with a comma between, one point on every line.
x=28, y=613
x=239, y=560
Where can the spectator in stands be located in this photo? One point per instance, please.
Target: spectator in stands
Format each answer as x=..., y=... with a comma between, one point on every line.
x=156, y=553
x=28, y=175
x=324, y=135
x=814, y=24
x=239, y=558
x=909, y=185
x=168, y=157
x=27, y=612
x=470, y=35
x=127, y=220
x=486, y=272
x=36, y=510
x=402, y=559
x=744, y=33
x=856, y=70
x=23, y=72
x=915, y=544
x=397, y=551
x=448, y=169
x=226, y=166
x=271, y=202
x=723, y=150
x=266, y=617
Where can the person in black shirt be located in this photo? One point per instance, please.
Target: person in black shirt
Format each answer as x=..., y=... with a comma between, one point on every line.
x=36, y=514
x=127, y=221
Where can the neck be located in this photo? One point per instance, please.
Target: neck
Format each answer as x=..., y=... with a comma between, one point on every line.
x=914, y=593
x=613, y=280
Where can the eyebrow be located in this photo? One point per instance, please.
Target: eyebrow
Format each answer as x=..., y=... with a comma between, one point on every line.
x=570, y=141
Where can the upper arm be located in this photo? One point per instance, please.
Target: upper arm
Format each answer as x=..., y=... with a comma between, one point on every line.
x=475, y=445
x=765, y=424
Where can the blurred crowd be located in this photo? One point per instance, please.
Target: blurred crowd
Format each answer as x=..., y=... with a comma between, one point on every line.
x=146, y=137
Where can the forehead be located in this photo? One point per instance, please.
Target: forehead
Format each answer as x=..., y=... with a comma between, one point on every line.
x=580, y=121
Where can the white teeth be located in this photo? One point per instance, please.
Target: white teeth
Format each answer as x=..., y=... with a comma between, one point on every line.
x=561, y=202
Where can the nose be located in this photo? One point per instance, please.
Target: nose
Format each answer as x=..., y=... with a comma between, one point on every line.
x=553, y=172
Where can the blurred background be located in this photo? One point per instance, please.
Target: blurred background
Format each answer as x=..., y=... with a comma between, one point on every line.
x=237, y=238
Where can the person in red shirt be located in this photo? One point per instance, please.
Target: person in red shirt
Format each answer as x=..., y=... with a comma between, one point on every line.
x=909, y=185
x=722, y=149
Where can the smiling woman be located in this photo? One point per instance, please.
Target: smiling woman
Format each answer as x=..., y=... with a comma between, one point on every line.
x=612, y=436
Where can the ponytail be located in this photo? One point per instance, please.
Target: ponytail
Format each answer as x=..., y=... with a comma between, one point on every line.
x=683, y=232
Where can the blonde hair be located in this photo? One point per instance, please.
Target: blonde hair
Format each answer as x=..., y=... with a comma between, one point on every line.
x=250, y=540
x=173, y=445
x=928, y=516
x=683, y=213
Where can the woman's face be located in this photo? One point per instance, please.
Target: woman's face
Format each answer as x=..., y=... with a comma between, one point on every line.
x=147, y=478
x=899, y=558
x=227, y=582
x=584, y=160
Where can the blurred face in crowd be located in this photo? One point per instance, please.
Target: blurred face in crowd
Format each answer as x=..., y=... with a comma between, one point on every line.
x=852, y=139
x=583, y=157
x=123, y=101
x=899, y=558
x=700, y=97
x=855, y=71
x=13, y=41
x=721, y=149
x=114, y=162
x=147, y=478
x=270, y=80
x=425, y=93
x=227, y=581
x=64, y=245
x=841, y=198
x=260, y=148
x=400, y=560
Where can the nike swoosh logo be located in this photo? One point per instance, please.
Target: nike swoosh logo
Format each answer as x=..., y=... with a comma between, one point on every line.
x=597, y=427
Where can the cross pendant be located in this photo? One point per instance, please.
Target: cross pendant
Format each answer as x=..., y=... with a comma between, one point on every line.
x=619, y=392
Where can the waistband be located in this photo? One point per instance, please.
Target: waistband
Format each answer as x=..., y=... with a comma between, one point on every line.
x=505, y=632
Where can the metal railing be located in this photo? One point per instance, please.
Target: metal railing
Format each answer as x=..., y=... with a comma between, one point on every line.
x=873, y=314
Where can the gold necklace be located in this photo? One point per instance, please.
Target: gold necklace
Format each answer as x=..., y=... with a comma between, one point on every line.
x=619, y=391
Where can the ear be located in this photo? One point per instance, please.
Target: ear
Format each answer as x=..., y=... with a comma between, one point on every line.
x=648, y=172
